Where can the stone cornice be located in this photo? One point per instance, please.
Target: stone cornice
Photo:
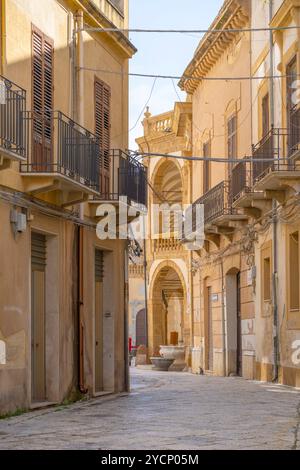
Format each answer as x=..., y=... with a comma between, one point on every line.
x=94, y=17
x=285, y=13
x=233, y=15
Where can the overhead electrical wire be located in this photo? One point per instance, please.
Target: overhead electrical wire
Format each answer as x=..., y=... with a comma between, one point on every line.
x=186, y=31
x=221, y=159
x=185, y=77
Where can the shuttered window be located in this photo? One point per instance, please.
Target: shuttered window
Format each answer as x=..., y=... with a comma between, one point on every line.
x=231, y=141
x=102, y=130
x=265, y=115
x=42, y=97
x=206, y=167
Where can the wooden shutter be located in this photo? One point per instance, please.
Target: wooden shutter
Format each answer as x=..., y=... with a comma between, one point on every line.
x=231, y=142
x=102, y=131
x=265, y=115
x=42, y=100
x=206, y=167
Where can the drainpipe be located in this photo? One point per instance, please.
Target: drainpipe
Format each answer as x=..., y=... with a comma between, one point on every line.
x=3, y=35
x=274, y=218
x=145, y=283
x=126, y=302
x=79, y=111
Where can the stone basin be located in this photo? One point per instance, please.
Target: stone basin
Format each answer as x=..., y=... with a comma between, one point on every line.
x=177, y=353
x=161, y=363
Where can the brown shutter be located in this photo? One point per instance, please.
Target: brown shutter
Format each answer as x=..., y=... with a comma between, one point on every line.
x=42, y=99
x=265, y=115
x=231, y=142
x=206, y=167
x=102, y=130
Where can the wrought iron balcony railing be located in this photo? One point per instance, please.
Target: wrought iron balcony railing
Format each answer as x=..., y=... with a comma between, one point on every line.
x=217, y=203
x=271, y=147
x=57, y=144
x=294, y=124
x=12, y=125
x=128, y=177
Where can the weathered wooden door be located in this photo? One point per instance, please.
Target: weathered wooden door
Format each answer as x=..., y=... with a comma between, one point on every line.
x=38, y=337
x=239, y=352
x=98, y=320
x=210, y=342
x=140, y=326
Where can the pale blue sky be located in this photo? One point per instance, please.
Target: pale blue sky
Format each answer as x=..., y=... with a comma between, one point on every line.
x=165, y=54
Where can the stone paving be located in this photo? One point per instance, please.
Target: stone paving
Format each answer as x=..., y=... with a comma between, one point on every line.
x=167, y=411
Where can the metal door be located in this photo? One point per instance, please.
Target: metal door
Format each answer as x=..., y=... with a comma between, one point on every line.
x=38, y=286
x=98, y=321
x=239, y=353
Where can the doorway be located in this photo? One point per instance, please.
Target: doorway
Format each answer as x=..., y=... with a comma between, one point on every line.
x=98, y=321
x=38, y=317
x=209, y=330
x=234, y=323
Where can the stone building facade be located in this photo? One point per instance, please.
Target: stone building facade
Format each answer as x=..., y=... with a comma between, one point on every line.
x=63, y=291
x=242, y=288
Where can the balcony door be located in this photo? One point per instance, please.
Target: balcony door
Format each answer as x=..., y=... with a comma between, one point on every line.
x=42, y=101
x=102, y=131
x=292, y=113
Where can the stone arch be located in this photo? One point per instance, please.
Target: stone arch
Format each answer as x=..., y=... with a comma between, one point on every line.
x=167, y=306
x=167, y=181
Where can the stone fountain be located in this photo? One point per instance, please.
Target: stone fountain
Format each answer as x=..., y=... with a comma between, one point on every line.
x=177, y=354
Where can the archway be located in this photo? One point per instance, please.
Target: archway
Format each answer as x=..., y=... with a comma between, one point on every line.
x=167, y=183
x=167, y=194
x=167, y=307
x=234, y=323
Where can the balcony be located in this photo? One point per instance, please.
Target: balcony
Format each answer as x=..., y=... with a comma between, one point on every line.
x=274, y=177
x=12, y=125
x=63, y=158
x=125, y=177
x=220, y=217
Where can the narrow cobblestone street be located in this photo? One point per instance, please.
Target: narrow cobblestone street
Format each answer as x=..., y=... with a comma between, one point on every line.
x=167, y=411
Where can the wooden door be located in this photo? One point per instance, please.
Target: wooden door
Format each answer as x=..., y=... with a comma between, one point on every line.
x=38, y=336
x=210, y=330
x=98, y=320
x=239, y=353
x=140, y=326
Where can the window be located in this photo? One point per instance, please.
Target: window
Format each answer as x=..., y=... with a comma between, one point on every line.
x=206, y=167
x=231, y=141
x=102, y=131
x=294, y=270
x=265, y=115
x=42, y=98
x=267, y=279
